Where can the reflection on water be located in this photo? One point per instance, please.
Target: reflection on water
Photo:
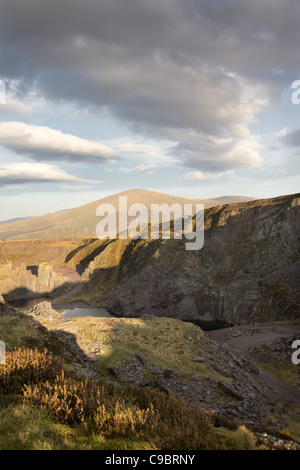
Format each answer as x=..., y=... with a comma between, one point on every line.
x=23, y=304
x=211, y=325
x=86, y=312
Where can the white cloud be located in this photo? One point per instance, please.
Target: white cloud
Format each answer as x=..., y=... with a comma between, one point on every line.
x=20, y=173
x=76, y=188
x=201, y=176
x=14, y=107
x=153, y=152
x=43, y=143
x=139, y=169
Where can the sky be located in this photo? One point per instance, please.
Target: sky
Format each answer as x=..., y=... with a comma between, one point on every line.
x=197, y=98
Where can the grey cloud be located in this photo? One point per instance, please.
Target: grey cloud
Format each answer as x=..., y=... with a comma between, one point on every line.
x=291, y=138
x=176, y=69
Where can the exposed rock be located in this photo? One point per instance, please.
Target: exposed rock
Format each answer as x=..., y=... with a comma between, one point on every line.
x=5, y=309
x=164, y=279
x=249, y=401
x=198, y=359
x=275, y=443
x=44, y=311
x=21, y=282
x=230, y=390
x=276, y=351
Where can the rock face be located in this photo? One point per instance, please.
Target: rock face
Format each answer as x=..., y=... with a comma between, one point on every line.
x=27, y=281
x=244, y=396
x=35, y=267
x=248, y=269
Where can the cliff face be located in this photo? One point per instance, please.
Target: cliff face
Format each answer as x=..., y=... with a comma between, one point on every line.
x=23, y=282
x=248, y=269
x=29, y=268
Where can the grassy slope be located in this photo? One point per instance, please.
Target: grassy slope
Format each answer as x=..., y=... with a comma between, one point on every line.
x=23, y=427
x=33, y=252
x=163, y=341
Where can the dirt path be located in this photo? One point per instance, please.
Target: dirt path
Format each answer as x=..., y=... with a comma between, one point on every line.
x=243, y=343
x=74, y=277
x=290, y=392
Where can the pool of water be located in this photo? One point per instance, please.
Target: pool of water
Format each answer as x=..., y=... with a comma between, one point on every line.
x=23, y=304
x=211, y=325
x=101, y=312
x=86, y=312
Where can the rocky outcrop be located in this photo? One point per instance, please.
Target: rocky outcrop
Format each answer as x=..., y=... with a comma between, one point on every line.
x=243, y=396
x=276, y=352
x=27, y=281
x=248, y=269
x=5, y=309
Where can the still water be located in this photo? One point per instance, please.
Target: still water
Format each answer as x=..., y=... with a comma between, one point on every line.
x=23, y=304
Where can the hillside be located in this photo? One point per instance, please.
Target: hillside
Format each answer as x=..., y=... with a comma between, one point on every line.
x=247, y=273
x=82, y=221
x=248, y=269
x=132, y=383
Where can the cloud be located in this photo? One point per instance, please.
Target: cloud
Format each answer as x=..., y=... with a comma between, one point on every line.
x=77, y=187
x=152, y=152
x=22, y=173
x=200, y=176
x=211, y=154
x=139, y=169
x=14, y=107
x=289, y=138
x=44, y=144
x=175, y=70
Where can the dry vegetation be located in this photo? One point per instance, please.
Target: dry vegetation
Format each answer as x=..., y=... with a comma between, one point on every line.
x=75, y=413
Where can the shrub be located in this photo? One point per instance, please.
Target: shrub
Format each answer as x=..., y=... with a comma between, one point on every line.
x=26, y=366
x=165, y=420
x=90, y=404
x=179, y=425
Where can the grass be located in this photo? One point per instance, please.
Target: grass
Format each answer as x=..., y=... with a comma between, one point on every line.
x=63, y=413
x=14, y=328
x=241, y=439
x=23, y=427
x=163, y=341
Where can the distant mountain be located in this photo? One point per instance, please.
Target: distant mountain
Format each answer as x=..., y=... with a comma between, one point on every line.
x=13, y=220
x=82, y=221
